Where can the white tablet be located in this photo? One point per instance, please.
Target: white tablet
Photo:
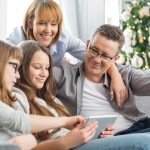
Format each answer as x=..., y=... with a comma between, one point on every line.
x=103, y=122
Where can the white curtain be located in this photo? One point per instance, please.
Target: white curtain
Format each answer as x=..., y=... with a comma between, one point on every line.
x=75, y=16
x=81, y=17
x=113, y=10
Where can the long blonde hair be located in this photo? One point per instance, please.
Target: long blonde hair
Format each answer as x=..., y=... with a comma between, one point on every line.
x=7, y=51
x=42, y=9
x=47, y=92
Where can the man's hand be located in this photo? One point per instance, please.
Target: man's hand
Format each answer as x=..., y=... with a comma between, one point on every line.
x=117, y=86
x=118, y=90
x=109, y=132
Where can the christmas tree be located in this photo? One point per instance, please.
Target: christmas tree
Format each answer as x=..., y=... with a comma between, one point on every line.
x=135, y=23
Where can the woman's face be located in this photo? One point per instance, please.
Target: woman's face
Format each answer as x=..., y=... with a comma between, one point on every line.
x=11, y=73
x=44, y=31
x=39, y=69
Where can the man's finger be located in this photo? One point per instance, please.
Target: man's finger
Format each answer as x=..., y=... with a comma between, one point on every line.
x=111, y=95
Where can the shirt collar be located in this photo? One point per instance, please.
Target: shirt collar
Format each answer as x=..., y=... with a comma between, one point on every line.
x=106, y=77
x=53, y=49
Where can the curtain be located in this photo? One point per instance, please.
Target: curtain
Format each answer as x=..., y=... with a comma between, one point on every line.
x=82, y=17
x=75, y=16
x=113, y=10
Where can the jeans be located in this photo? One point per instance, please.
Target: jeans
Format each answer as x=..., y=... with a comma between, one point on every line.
x=141, y=126
x=122, y=142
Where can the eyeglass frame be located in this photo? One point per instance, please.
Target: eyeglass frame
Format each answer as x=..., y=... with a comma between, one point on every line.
x=15, y=66
x=108, y=58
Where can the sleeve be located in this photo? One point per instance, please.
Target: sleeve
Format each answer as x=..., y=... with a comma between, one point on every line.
x=75, y=46
x=16, y=36
x=14, y=119
x=58, y=75
x=138, y=80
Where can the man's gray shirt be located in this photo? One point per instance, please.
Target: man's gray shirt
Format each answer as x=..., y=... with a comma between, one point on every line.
x=70, y=80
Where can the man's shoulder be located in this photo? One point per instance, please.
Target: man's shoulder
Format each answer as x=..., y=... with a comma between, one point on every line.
x=72, y=67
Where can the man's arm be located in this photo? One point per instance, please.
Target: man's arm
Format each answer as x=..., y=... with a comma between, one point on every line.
x=117, y=87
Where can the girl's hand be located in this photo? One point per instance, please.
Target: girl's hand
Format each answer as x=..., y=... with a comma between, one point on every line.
x=79, y=135
x=25, y=142
x=109, y=132
x=72, y=122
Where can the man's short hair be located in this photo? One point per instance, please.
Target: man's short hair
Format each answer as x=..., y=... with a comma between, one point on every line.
x=111, y=32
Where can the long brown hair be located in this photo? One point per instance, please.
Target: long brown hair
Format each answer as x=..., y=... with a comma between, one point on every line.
x=47, y=92
x=42, y=9
x=7, y=51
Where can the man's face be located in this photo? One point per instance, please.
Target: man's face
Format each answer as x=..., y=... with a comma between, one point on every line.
x=101, y=53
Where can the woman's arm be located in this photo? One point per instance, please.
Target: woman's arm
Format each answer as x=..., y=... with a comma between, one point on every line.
x=117, y=86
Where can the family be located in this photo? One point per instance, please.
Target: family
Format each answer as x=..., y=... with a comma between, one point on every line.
x=43, y=100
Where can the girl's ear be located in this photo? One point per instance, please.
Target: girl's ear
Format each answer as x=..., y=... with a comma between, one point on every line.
x=30, y=23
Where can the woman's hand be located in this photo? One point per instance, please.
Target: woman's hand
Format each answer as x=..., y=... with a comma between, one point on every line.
x=72, y=122
x=79, y=135
x=109, y=132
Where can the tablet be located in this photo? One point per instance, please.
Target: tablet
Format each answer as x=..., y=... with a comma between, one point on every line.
x=103, y=122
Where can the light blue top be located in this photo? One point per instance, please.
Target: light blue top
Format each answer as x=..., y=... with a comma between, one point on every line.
x=66, y=43
x=14, y=121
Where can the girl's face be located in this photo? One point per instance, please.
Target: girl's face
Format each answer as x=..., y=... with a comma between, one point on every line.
x=39, y=69
x=44, y=31
x=11, y=73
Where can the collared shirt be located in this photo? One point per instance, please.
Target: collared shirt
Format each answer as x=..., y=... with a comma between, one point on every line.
x=70, y=78
x=66, y=43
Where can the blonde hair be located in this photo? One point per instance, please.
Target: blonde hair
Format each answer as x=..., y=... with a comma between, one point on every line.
x=45, y=9
x=7, y=51
x=47, y=92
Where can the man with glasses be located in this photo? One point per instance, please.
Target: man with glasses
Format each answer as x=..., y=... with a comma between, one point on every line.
x=84, y=88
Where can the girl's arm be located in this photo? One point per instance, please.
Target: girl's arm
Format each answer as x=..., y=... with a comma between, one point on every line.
x=76, y=137
x=19, y=121
x=41, y=123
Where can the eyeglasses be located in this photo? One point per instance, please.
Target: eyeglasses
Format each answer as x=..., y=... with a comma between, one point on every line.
x=93, y=51
x=15, y=66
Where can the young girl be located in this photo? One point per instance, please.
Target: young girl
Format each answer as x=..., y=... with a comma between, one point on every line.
x=38, y=84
